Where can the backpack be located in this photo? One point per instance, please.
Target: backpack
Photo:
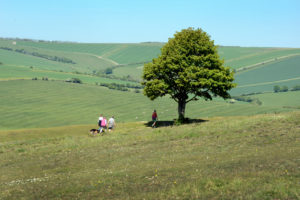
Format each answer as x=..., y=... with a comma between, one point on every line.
x=103, y=122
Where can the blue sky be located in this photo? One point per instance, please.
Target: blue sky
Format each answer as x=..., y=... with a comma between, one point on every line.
x=261, y=23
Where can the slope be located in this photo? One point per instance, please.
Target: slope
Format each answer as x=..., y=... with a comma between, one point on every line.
x=36, y=104
x=223, y=158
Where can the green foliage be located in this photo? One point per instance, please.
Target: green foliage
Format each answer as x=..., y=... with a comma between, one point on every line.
x=188, y=67
x=248, y=99
x=74, y=80
x=283, y=88
x=115, y=86
x=108, y=71
x=295, y=88
x=276, y=88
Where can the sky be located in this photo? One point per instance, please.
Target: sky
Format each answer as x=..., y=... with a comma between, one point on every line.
x=247, y=23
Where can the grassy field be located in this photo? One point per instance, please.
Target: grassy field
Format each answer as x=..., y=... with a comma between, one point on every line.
x=284, y=72
x=36, y=104
x=46, y=151
x=270, y=66
x=222, y=158
x=237, y=57
x=12, y=72
x=282, y=99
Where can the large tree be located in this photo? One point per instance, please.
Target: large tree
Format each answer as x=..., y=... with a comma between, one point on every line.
x=189, y=67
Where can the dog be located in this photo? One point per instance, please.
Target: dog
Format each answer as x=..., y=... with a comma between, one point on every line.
x=94, y=131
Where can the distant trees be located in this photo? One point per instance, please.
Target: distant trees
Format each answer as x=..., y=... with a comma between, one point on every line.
x=277, y=88
x=248, y=99
x=108, y=71
x=36, y=54
x=295, y=88
x=121, y=87
x=74, y=80
x=285, y=88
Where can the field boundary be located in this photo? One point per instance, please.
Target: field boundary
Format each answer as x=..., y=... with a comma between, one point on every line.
x=267, y=83
x=248, y=67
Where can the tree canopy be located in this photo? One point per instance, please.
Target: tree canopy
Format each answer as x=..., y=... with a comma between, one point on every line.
x=189, y=67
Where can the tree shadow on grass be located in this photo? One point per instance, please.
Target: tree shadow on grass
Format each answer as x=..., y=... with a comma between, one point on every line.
x=172, y=123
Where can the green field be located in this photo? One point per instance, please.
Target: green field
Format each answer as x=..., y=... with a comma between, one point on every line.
x=238, y=57
x=233, y=150
x=222, y=158
x=127, y=61
x=57, y=108
x=263, y=78
x=36, y=104
x=11, y=72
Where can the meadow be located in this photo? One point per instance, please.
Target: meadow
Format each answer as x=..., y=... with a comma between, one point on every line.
x=220, y=158
x=11, y=72
x=233, y=150
x=264, y=78
x=37, y=104
x=127, y=60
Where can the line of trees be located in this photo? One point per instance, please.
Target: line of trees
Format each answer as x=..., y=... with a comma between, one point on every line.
x=45, y=56
x=121, y=87
x=247, y=99
x=285, y=88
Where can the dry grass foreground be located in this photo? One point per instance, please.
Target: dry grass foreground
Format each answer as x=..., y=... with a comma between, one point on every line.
x=253, y=157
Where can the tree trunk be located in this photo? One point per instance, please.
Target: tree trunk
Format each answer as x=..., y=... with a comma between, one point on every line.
x=181, y=110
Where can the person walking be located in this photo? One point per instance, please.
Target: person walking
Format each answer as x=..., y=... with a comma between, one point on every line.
x=111, y=123
x=99, y=122
x=103, y=125
x=154, y=119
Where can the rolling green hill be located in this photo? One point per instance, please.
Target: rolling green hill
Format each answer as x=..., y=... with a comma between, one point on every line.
x=35, y=104
x=46, y=151
x=222, y=158
x=263, y=78
x=257, y=70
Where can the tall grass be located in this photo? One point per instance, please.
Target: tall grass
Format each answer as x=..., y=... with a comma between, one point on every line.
x=223, y=158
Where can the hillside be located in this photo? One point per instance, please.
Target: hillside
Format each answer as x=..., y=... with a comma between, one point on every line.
x=221, y=158
x=57, y=103
x=126, y=61
x=38, y=104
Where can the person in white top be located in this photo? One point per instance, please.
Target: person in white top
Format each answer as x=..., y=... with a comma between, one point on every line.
x=111, y=123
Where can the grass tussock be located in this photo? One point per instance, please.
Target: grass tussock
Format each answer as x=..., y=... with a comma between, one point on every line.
x=221, y=158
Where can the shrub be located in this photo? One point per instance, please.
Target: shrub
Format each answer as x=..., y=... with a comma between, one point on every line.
x=276, y=88
x=108, y=71
x=295, y=88
x=284, y=88
x=76, y=80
